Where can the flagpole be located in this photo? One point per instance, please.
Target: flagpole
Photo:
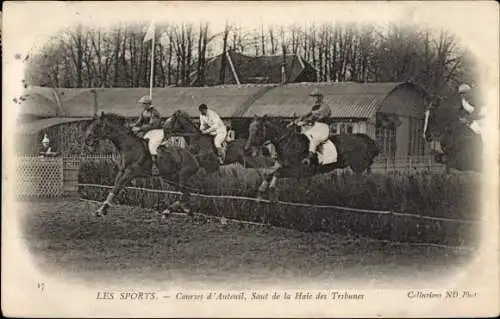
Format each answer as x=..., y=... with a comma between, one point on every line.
x=152, y=64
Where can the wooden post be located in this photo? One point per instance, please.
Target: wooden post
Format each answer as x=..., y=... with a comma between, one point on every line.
x=232, y=68
x=283, y=74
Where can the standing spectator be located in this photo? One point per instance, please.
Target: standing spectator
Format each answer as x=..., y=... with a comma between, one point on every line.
x=46, y=150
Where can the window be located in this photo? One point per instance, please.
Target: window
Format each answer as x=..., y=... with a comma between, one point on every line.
x=416, y=144
x=342, y=128
x=334, y=128
x=386, y=140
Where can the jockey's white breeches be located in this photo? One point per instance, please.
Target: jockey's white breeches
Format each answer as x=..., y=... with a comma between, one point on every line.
x=155, y=137
x=317, y=134
x=220, y=136
x=476, y=127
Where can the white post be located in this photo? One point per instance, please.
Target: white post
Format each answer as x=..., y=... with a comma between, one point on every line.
x=152, y=67
x=150, y=35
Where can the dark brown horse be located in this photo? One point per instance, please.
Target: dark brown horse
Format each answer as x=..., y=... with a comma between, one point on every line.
x=237, y=153
x=176, y=165
x=460, y=147
x=202, y=146
x=356, y=151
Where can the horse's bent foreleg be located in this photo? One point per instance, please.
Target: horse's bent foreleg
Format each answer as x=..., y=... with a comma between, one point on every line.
x=121, y=179
x=182, y=178
x=268, y=178
x=272, y=188
x=264, y=186
x=277, y=174
x=115, y=190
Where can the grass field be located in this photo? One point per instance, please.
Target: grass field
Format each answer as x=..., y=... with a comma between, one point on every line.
x=134, y=244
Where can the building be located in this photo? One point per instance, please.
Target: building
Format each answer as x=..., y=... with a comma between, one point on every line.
x=390, y=113
x=244, y=69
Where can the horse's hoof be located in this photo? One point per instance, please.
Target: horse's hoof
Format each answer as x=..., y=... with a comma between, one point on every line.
x=165, y=214
x=174, y=206
x=185, y=209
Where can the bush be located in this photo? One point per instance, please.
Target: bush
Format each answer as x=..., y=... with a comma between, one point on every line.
x=419, y=193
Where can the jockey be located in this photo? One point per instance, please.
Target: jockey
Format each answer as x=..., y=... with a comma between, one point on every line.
x=319, y=132
x=46, y=150
x=211, y=123
x=149, y=119
x=470, y=115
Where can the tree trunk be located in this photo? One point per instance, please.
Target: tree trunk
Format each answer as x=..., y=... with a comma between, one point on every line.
x=222, y=71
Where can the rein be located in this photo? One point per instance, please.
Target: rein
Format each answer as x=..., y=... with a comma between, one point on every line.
x=279, y=140
x=184, y=134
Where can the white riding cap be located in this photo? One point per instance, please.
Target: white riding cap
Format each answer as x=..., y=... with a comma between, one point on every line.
x=463, y=88
x=45, y=139
x=145, y=100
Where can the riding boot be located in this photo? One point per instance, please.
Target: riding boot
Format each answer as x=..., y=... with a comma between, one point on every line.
x=166, y=136
x=154, y=167
x=307, y=160
x=220, y=154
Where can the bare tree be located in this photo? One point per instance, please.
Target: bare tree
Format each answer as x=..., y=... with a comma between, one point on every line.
x=202, y=53
x=81, y=57
x=222, y=71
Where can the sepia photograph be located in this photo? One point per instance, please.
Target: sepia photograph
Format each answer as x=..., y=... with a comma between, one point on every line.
x=249, y=159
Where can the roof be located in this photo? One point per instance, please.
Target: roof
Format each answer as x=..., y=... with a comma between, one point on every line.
x=36, y=126
x=346, y=100
x=257, y=69
x=227, y=100
x=38, y=101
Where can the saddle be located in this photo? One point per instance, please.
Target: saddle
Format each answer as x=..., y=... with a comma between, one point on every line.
x=152, y=138
x=326, y=151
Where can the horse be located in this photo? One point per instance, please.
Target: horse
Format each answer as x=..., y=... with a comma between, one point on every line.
x=237, y=153
x=356, y=151
x=460, y=147
x=202, y=145
x=176, y=165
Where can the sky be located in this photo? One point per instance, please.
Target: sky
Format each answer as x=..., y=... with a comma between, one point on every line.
x=248, y=15
x=28, y=25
